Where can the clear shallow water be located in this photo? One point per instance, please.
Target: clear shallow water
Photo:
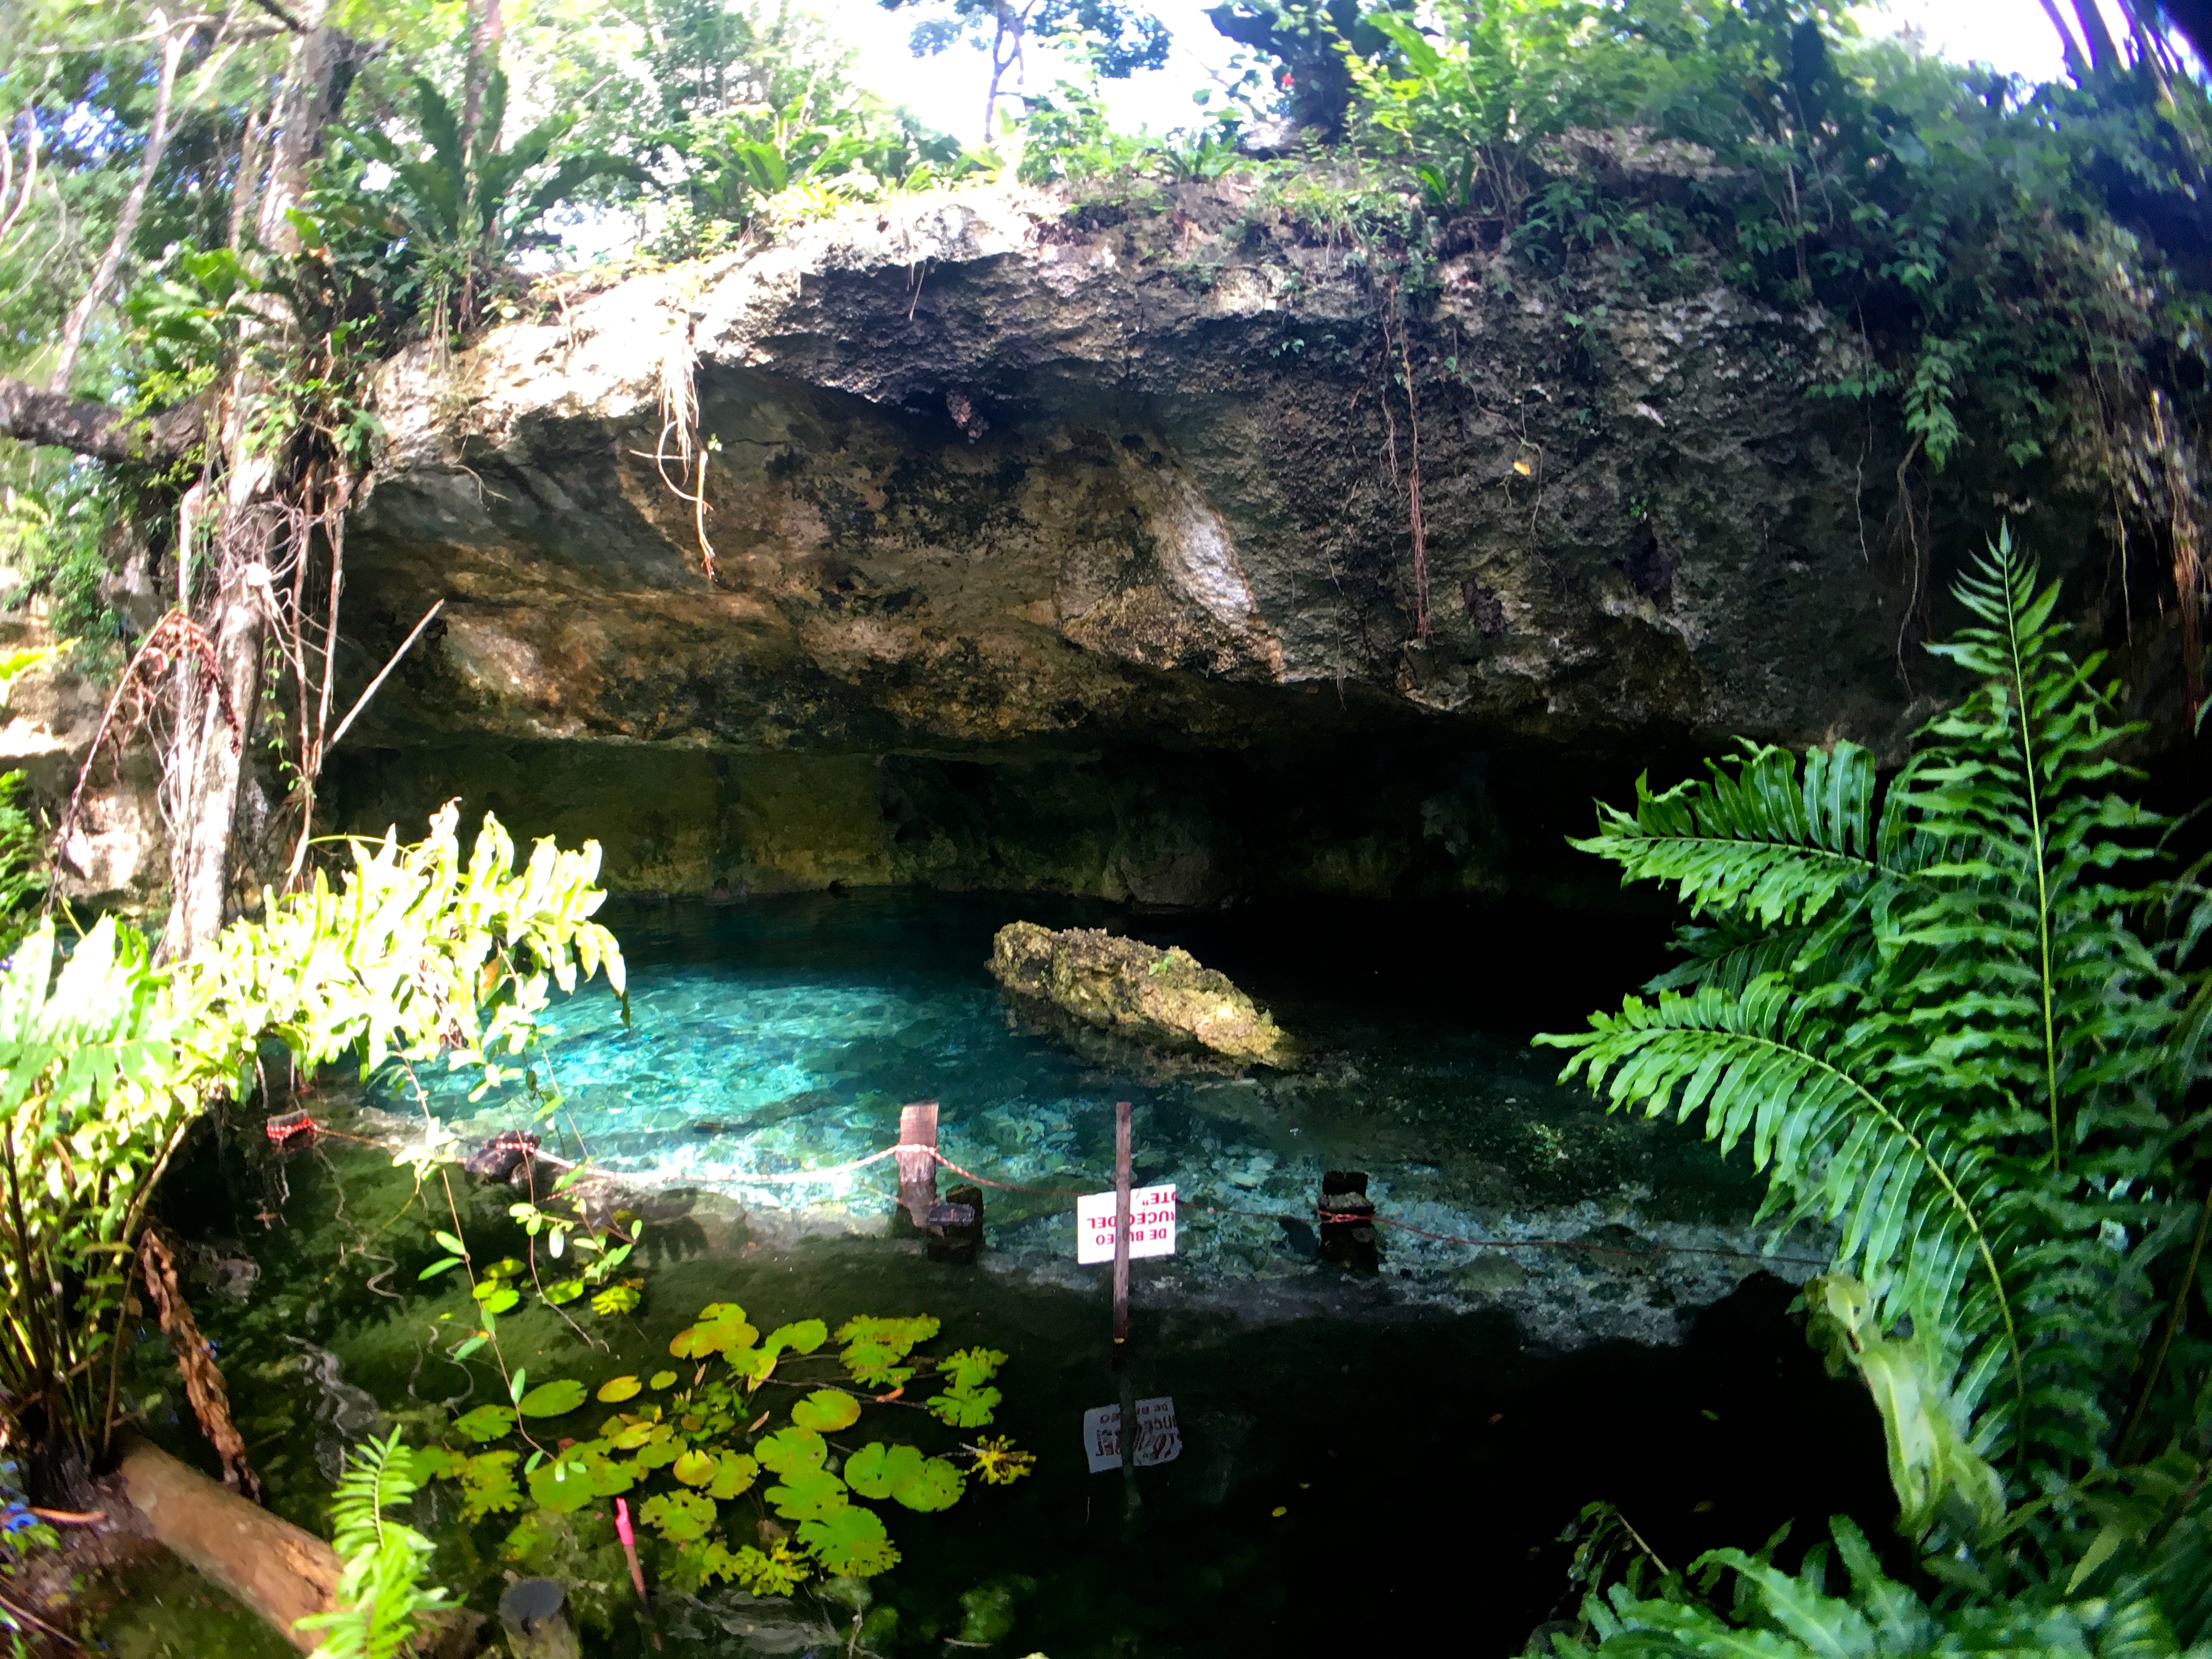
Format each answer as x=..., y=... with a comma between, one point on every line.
x=781, y=1036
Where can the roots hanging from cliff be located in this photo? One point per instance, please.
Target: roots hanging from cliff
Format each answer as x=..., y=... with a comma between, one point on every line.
x=679, y=419
x=1419, y=530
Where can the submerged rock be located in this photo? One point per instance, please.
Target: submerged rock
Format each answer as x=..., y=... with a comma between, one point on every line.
x=1123, y=985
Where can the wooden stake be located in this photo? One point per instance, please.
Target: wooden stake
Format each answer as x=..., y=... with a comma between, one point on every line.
x=917, y=1171
x=1121, y=1225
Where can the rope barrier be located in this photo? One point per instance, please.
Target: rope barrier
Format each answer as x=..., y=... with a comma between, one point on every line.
x=1326, y=1218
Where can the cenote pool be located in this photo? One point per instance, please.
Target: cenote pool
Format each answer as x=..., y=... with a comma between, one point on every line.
x=1388, y=1460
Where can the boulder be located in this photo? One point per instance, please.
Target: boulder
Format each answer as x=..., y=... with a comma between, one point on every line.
x=1122, y=985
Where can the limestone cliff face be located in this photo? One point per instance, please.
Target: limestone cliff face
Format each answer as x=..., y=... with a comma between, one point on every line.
x=1047, y=554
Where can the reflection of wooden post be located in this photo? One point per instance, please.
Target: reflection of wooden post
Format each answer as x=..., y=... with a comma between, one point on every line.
x=917, y=1171
x=1121, y=1220
x=1124, y=1219
x=1347, y=1221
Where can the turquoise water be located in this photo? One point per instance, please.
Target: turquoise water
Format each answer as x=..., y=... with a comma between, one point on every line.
x=776, y=1036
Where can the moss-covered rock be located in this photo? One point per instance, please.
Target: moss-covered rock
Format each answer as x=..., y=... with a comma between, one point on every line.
x=1122, y=985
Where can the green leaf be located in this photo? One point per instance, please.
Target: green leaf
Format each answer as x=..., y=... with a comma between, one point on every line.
x=937, y=1484
x=850, y=1543
x=451, y=1245
x=487, y=1485
x=734, y=1474
x=615, y=1299
x=970, y=1368
x=515, y=1385
x=553, y=1398
x=617, y=1389
x=805, y=1493
x=788, y=1451
x=826, y=1411
x=694, y=1468
x=440, y=1267
x=566, y=1290
x=963, y=1408
x=876, y=1468
x=803, y=1337
x=660, y=1379
x=484, y=1422
x=679, y=1517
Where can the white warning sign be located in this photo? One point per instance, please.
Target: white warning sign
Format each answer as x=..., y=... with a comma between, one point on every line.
x=1159, y=1440
x=1151, y=1226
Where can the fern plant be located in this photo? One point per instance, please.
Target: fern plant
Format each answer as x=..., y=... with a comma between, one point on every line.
x=1953, y=1031
x=381, y=1603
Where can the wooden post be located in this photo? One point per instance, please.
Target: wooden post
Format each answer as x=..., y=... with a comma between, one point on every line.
x=1346, y=1215
x=917, y=1171
x=1121, y=1224
x=534, y=1615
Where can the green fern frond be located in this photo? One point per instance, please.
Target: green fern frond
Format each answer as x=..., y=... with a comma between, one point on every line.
x=381, y=1603
x=1759, y=842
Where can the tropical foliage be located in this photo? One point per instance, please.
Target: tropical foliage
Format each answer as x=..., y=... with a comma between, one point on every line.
x=106, y=1059
x=1957, y=1019
x=381, y=1603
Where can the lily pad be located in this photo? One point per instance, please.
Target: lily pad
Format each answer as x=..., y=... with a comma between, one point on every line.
x=721, y=1329
x=937, y=1486
x=620, y=1389
x=566, y=1290
x=682, y=1518
x=561, y=1484
x=734, y=1472
x=437, y=1463
x=660, y=1379
x=850, y=1543
x=875, y=1469
x=487, y=1485
x=694, y=1468
x=806, y=1494
x=552, y=1399
x=874, y=1347
x=965, y=1407
x=484, y=1422
x=803, y=1337
x=662, y=1449
x=826, y=1411
x=788, y=1451
x=616, y=1298
x=971, y=1368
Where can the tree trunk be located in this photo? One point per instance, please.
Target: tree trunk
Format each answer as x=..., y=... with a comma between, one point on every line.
x=216, y=712
x=99, y=430
x=487, y=28
x=157, y=140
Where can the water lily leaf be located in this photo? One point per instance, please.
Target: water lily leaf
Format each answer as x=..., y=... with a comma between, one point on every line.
x=627, y=1433
x=850, y=1542
x=694, y=1468
x=552, y=1399
x=751, y=1366
x=876, y=1468
x=484, y=1422
x=936, y=1486
x=437, y=1463
x=734, y=1472
x=660, y=1379
x=506, y=1268
x=614, y=1391
x=971, y=1368
x=617, y=1299
x=874, y=1347
x=804, y=1337
x=788, y=1451
x=659, y=1452
x=562, y=1484
x=826, y=1411
x=567, y=1289
x=487, y=1485
x=965, y=1407
x=721, y=1329
x=680, y=1516
x=807, y=1494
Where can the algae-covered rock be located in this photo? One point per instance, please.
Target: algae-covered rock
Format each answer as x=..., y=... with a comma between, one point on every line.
x=1122, y=985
